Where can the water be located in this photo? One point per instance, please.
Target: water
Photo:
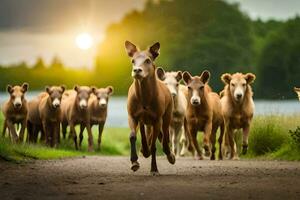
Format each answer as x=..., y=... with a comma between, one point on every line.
x=117, y=109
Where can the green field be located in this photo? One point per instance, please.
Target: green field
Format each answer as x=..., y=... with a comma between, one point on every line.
x=270, y=138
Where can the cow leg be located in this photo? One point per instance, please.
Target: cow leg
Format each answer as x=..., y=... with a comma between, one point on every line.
x=145, y=147
x=220, y=140
x=246, y=131
x=90, y=137
x=74, y=135
x=206, y=138
x=213, y=142
x=81, y=135
x=166, y=147
x=155, y=133
x=100, y=131
x=183, y=142
x=4, y=128
x=22, y=131
x=12, y=131
x=132, y=138
x=193, y=133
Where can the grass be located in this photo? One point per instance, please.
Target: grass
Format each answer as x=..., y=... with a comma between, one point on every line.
x=269, y=139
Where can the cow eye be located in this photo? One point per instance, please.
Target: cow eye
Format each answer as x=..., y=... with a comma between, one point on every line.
x=132, y=61
x=189, y=88
x=148, y=61
x=177, y=84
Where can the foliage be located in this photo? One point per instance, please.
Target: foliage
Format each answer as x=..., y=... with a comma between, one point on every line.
x=267, y=135
x=295, y=135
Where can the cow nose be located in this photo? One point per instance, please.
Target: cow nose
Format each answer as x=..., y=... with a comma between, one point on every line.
x=195, y=102
x=18, y=105
x=137, y=70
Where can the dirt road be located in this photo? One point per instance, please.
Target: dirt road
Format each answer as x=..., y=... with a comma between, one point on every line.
x=111, y=178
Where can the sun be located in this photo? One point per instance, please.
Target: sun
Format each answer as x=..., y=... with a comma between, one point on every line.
x=84, y=41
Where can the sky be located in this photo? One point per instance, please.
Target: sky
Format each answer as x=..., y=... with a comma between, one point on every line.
x=47, y=28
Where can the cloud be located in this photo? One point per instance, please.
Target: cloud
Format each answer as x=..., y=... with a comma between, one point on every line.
x=61, y=15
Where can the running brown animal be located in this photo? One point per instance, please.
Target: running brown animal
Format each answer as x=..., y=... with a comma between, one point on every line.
x=15, y=111
x=149, y=103
x=75, y=112
x=97, y=106
x=204, y=113
x=238, y=108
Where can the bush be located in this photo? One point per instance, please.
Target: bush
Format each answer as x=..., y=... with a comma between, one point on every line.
x=267, y=136
x=295, y=135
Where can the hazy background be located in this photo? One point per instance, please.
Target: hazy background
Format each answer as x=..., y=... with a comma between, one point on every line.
x=37, y=38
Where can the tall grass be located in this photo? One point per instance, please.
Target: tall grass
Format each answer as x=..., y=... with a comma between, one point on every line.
x=269, y=139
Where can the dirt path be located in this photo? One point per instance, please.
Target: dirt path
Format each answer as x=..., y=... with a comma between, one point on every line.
x=111, y=178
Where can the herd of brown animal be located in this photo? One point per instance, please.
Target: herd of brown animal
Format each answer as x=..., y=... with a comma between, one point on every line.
x=53, y=109
x=158, y=105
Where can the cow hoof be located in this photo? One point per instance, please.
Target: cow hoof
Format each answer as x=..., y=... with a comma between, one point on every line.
x=198, y=157
x=155, y=173
x=245, y=149
x=171, y=158
x=90, y=149
x=135, y=166
x=235, y=158
x=145, y=154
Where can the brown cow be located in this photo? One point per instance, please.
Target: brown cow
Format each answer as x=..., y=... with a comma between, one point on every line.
x=44, y=115
x=238, y=108
x=149, y=103
x=15, y=111
x=50, y=113
x=204, y=113
x=97, y=106
x=34, y=123
x=75, y=112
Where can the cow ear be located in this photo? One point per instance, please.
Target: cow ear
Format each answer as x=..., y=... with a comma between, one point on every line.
x=9, y=89
x=160, y=72
x=110, y=90
x=154, y=50
x=63, y=88
x=250, y=78
x=76, y=88
x=131, y=49
x=25, y=87
x=226, y=78
x=47, y=88
x=187, y=77
x=204, y=77
x=178, y=76
x=94, y=89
